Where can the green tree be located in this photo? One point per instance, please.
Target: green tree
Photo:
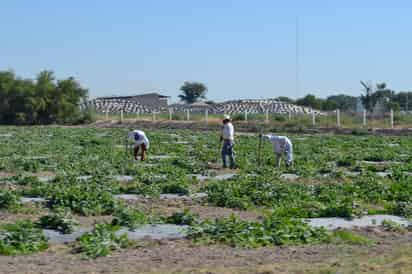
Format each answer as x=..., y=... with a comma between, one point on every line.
x=192, y=92
x=310, y=100
x=286, y=99
x=341, y=101
x=43, y=101
x=404, y=100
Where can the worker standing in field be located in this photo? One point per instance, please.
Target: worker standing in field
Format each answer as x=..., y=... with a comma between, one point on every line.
x=228, y=138
x=282, y=146
x=141, y=142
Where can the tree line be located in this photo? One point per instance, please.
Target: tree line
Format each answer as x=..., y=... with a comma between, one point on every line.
x=388, y=99
x=44, y=100
x=381, y=94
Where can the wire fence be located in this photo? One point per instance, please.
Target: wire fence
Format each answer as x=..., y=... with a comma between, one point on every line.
x=332, y=119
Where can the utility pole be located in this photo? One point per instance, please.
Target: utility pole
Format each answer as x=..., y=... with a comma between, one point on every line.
x=297, y=59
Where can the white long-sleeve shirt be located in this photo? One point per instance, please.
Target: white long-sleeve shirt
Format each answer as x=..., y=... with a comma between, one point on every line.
x=228, y=132
x=139, y=137
x=280, y=143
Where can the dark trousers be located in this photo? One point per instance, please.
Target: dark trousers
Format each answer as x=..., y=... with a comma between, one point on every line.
x=227, y=151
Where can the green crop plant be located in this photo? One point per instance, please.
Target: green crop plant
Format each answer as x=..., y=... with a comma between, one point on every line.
x=102, y=241
x=61, y=220
x=9, y=200
x=20, y=238
x=130, y=218
x=184, y=217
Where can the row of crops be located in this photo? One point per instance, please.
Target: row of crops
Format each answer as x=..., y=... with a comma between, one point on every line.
x=78, y=173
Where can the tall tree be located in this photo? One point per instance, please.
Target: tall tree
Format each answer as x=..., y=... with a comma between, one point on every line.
x=310, y=100
x=192, y=92
x=43, y=101
x=342, y=102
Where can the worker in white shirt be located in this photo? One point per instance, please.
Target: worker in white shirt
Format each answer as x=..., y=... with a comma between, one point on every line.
x=228, y=137
x=282, y=146
x=140, y=142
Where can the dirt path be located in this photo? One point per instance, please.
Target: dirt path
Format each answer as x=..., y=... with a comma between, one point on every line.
x=185, y=257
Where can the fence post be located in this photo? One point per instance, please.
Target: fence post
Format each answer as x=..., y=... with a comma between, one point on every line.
x=121, y=115
x=170, y=115
x=267, y=115
x=245, y=115
x=313, y=119
x=338, y=118
x=364, y=118
x=290, y=115
x=153, y=116
x=107, y=114
x=206, y=115
x=187, y=115
x=391, y=118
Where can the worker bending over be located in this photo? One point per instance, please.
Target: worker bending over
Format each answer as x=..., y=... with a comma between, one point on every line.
x=228, y=138
x=140, y=141
x=282, y=146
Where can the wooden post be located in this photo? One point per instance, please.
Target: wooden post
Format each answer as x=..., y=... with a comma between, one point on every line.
x=338, y=118
x=391, y=118
x=187, y=115
x=170, y=114
x=121, y=115
x=364, y=118
x=154, y=116
x=245, y=115
x=206, y=115
x=313, y=119
x=267, y=115
x=107, y=114
x=290, y=115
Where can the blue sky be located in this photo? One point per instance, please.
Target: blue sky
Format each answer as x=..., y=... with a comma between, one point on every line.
x=239, y=49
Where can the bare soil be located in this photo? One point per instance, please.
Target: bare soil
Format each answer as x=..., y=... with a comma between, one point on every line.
x=183, y=256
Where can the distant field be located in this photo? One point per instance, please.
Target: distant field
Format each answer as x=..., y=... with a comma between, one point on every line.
x=284, y=121
x=253, y=219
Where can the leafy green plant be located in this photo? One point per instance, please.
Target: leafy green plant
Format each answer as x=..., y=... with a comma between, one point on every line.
x=184, y=217
x=349, y=237
x=85, y=199
x=22, y=238
x=102, y=241
x=271, y=231
x=392, y=226
x=61, y=220
x=9, y=200
x=175, y=188
x=131, y=218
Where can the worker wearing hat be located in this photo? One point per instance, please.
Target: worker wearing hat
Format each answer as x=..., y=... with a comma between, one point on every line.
x=141, y=142
x=228, y=137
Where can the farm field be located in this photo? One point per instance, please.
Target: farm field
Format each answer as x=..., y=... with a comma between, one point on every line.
x=73, y=200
